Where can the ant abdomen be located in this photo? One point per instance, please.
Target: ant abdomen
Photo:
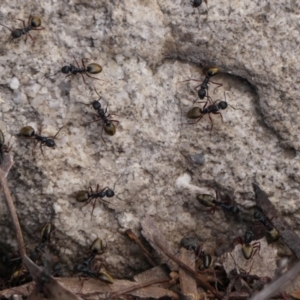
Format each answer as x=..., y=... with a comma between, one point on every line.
x=110, y=129
x=35, y=22
x=27, y=131
x=194, y=113
x=94, y=68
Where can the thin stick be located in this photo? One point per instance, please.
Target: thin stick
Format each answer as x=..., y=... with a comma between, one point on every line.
x=133, y=237
x=138, y=286
x=13, y=213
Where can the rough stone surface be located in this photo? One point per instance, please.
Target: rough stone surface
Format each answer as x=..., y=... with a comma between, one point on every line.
x=146, y=48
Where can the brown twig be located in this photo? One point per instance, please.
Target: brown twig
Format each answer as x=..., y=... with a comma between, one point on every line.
x=137, y=286
x=289, y=237
x=149, y=226
x=133, y=237
x=13, y=213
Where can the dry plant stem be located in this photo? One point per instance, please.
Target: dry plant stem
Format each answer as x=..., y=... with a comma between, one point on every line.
x=137, y=286
x=133, y=237
x=13, y=213
x=271, y=289
x=196, y=275
x=289, y=237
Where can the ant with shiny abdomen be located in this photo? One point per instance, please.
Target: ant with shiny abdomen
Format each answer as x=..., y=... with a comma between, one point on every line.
x=83, y=268
x=203, y=259
x=203, y=91
x=248, y=249
x=33, y=24
x=272, y=234
x=92, y=68
x=214, y=107
x=29, y=133
x=90, y=195
x=109, y=127
x=213, y=202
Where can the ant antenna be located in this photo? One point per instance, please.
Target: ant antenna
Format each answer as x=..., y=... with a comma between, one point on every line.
x=231, y=105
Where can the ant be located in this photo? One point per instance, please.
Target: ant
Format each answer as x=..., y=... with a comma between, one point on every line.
x=272, y=233
x=210, y=201
x=92, y=68
x=248, y=249
x=90, y=195
x=213, y=108
x=33, y=24
x=210, y=72
x=109, y=127
x=202, y=258
x=29, y=133
x=83, y=268
x=45, y=233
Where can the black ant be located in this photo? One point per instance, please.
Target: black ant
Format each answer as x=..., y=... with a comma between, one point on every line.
x=33, y=24
x=83, y=268
x=210, y=201
x=45, y=233
x=90, y=195
x=248, y=249
x=203, y=259
x=29, y=133
x=92, y=68
x=210, y=72
x=109, y=127
x=213, y=108
x=272, y=234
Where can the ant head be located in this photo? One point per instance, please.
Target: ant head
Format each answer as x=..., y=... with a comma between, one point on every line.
x=248, y=236
x=35, y=22
x=15, y=34
x=109, y=193
x=223, y=104
x=65, y=69
x=50, y=143
x=96, y=105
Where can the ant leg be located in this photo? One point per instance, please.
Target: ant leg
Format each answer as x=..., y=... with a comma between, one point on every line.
x=216, y=83
x=102, y=135
x=58, y=132
x=98, y=95
x=197, y=80
x=34, y=147
x=41, y=147
x=82, y=60
x=6, y=27
x=83, y=79
x=24, y=22
x=212, y=124
x=116, y=121
x=191, y=123
x=219, y=113
x=87, y=202
x=33, y=40
x=93, y=209
x=76, y=62
x=94, y=77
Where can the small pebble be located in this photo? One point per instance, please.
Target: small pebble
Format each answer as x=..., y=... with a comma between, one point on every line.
x=14, y=83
